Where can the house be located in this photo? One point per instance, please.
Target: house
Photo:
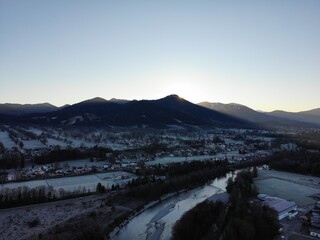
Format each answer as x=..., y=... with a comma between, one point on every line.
x=11, y=176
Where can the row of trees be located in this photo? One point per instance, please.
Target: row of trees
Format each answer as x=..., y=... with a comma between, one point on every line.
x=13, y=197
x=181, y=168
x=25, y=195
x=2, y=148
x=237, y=219
x=303, y=161
x=59, y=155
x=12, y=160
x=151, y=188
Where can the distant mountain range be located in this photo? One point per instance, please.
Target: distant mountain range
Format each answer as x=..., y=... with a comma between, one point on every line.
x=22, y=109
x=171, y=110
x=250, y=115
x=237, y=110
x=311, y=116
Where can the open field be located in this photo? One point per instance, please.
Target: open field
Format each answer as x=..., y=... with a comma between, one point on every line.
x=167, y=160
x=74, y=183
x=6, y=140
x=292, y=187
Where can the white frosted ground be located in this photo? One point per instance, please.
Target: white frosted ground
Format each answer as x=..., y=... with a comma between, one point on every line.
x=74, y=183
x=166, y=160
x=54, y=142
x=32, y=144
x=29, y=184
x=36, y=131
x=6, y=140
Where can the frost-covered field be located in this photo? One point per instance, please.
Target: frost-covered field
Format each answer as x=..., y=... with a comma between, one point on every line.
x=29, y=184
x=32, y=144
x=75, y=183
x=6, y=140
x=90, y=181
x=55, y=142
x=288, y=186
x=80, y=163
x=166, y=160
x=36, y=131
x=116, y=146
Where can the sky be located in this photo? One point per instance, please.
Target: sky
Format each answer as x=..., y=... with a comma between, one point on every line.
x=263, y=54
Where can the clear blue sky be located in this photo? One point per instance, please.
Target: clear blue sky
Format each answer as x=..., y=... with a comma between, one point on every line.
x=263, y=54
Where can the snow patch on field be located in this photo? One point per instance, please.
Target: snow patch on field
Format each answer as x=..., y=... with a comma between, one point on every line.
x=32, y=144
x=75, y=183
x=6, y=140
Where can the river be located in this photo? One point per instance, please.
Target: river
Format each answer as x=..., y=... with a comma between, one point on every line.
x=156, y=222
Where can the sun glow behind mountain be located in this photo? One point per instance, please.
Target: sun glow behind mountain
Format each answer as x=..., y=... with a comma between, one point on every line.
x=186, y=85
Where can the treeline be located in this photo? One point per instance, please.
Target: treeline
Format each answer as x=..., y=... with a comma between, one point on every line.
x=25, y=195
x=308, y=140
x=59, y=155
x=196, y=223
x=2, y=148
x=302, y=161
x=238, y=219
x=154, y=148
x=180, y=176
x=152, y=188
x=181, y=168
x=12, y=160
x=14, y=197
x=26, y=133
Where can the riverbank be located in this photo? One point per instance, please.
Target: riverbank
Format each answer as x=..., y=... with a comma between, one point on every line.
x=144, y=208
x=156, y=219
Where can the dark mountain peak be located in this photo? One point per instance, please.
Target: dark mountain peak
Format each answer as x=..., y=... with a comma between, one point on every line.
x=64, y=106
x=277, y=111
x=120, y=101
x=173, y=97
x=95, y=100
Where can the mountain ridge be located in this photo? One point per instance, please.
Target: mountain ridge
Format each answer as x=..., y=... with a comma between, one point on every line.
x=241, y=111
x=171, y=109
x=22, y=109
x=165, y=111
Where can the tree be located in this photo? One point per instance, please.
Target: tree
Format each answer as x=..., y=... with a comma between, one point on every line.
x=100, y=188
x=230, y=184
x=22, y=162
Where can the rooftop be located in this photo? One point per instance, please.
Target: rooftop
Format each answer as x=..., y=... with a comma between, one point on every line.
x=279, y=204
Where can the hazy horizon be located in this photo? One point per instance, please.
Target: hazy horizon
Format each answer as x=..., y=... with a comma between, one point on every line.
x=264, y=55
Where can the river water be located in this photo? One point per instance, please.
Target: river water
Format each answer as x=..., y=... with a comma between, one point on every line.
x=157, y=221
